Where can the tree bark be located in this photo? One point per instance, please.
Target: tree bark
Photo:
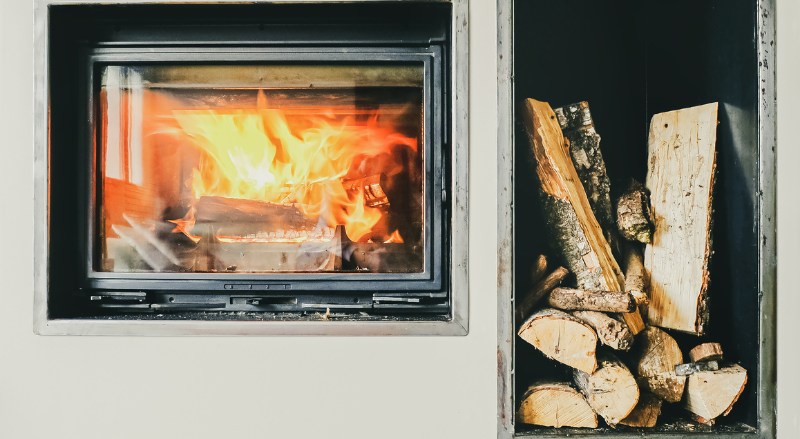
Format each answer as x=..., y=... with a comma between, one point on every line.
x=539, y=291
x=633, y=214
x=591, y=300
x=610, y=331
x=680, y=177
x=690, y=368
x=611, y=390
x=562, y=337
x=659, y=353
x=555, y=405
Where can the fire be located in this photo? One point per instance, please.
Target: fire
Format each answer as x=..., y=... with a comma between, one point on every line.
x=264, y=154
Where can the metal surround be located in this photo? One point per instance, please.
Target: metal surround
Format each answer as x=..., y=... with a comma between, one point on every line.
x=766, y=210
x=456, y=324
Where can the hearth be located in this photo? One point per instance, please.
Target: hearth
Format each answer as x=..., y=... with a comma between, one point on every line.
x=253, y=162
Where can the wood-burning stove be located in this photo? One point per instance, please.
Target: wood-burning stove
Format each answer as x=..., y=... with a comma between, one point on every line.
x=253, y=162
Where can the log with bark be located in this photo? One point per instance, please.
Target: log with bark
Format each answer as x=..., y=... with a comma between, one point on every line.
x=710, y=394
x=610, y=331
x=690, y=368
x=539, y=269
x=611, y=390
x=680, y=177
x=555, y=405
x=635, y=275
x=539, y=291
x=646, y=412
x=633, y=214
x=562, y=337
x=568, y=213
x=591, y=300
x=659, y=353
x=584, y=148
x=706, y=352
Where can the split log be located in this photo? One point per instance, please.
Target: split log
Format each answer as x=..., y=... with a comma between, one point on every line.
x=591, y=300
x=659, y=354
x=611, y=390
x=584, y=148
x=568, y=214
x=562, y=337
x=706, y=352
x=690, y=368
x=646, y=412
x=610, y=331
x=372, y=188
x=633, y=214
x=539, y=291
x=712, y=394
x=555, y=405
x=680, y=176
x=539, y=269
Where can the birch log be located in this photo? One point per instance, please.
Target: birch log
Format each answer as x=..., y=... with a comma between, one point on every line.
x=562, y=337
x=610, y=331
x=680, y=177
x=555, y=405
x=611, y=390
x=568, y=213
x=646, y=412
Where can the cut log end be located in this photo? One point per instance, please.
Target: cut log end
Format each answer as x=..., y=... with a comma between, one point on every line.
x=563, y=338
x=611, y=390
x=541, y=289
x=555, y=405
x=710, y=394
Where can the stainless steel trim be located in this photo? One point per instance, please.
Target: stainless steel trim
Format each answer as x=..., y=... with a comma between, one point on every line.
x=459, y=141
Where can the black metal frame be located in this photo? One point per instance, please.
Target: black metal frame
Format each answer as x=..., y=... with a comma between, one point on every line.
x=288, y=33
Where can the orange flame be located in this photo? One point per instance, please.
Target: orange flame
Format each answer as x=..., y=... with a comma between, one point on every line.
x=263, y=154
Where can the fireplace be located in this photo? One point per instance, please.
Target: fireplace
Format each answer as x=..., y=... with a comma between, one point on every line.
x=267, y=162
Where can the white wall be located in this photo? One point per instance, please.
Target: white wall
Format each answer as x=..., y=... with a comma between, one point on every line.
x=94, y=387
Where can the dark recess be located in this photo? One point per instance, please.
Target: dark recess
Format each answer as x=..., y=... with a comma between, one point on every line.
x=631, y=59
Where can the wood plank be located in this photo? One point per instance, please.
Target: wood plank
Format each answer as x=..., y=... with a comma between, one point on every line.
x=680, y=177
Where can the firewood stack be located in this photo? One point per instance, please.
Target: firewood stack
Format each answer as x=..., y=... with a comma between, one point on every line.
x=589, y=315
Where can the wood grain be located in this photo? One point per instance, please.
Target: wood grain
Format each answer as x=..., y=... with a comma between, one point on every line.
x=680, y=177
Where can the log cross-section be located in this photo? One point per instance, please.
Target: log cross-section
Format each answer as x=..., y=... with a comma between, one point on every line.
x=680, y=177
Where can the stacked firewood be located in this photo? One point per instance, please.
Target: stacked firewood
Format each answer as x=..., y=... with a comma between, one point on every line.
x=611, y=326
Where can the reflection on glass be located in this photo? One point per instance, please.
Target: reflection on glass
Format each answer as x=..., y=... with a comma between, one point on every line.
x=260, y=169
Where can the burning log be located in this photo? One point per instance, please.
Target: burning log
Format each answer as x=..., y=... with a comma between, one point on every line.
x=562, y=337
x=610, y=331
x=646, y=412
x=659, y=354
x=246, y=217
x=690, y=368
x=555, y=405
x=706, y=352
x=591, y=300
x=710, y=394
x=680, y=176
x=539, y=291
x=633, y=214
x=567, y=210
x=374, y=195
x=611, y=390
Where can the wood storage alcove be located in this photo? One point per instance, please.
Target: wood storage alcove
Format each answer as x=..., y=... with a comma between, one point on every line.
x=581, y=227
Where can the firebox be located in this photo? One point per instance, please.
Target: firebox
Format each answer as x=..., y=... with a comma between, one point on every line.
x=265, y=161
